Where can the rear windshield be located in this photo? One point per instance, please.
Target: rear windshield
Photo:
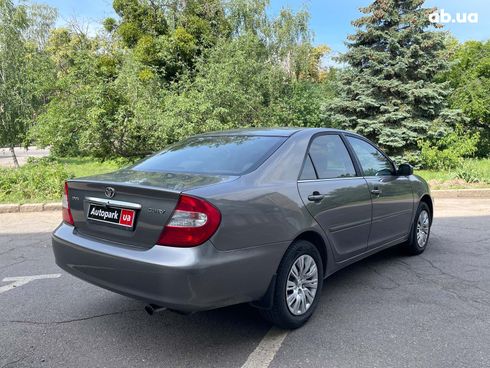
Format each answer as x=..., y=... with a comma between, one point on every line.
x=220, y=155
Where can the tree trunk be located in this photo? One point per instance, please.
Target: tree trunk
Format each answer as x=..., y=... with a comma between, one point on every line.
x=14, y=156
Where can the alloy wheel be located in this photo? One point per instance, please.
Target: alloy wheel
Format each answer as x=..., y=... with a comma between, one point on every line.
x=302, y=284
x=423, y=225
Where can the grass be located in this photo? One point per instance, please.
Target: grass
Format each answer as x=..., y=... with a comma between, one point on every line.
x=477, y=171
x=87, y=166
x=41, y=180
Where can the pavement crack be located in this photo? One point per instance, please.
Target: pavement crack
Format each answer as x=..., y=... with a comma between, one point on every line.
x=475, y=241
x=23, y=259
x=7, y=251
x=11, y=363
x=397, y=285
x=469, y=283
x=435, y=267
x=447, y=288
x=71, y=320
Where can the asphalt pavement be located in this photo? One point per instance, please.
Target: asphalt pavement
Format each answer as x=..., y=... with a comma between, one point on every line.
x=22, y=155
x=389, y=310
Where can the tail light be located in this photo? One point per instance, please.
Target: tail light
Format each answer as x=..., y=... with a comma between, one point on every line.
x=193, y=221
x=67, y=217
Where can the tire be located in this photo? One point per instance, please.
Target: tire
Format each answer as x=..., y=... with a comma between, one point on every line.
x=423, y=220
x=300, y=288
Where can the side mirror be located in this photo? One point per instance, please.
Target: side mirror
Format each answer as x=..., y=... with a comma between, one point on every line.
x=405, y=170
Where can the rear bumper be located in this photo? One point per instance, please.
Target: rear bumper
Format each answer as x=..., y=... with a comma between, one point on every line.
x=185, y=279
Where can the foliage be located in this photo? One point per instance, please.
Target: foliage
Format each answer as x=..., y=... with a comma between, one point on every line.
x=39, y=179
x=77, y=89
x=13, y=109
x=469, y=76
x=24, y=74
x=168, y=36
x=235, y=87
x=448, y=152
x=388, y=92
x=166, y=69
x=145, y=85
x=104, y=103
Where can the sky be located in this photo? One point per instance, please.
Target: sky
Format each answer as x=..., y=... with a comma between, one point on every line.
x=330, y=19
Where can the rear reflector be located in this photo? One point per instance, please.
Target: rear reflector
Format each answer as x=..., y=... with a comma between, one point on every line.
x=67, y=217
x=193, y=221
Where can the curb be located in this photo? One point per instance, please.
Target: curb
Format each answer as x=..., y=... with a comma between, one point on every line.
x=461, y=193
x=30, y=207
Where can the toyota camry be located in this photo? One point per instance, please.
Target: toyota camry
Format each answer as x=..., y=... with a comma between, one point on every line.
x=259, y=216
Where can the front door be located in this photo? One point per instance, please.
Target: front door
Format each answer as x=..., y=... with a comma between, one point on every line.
x=392, y=196
x=336, y=196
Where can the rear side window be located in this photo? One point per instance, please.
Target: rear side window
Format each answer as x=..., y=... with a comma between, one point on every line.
x=331, y=158
x=219, y=155
x=372, y=161
x=308, y=170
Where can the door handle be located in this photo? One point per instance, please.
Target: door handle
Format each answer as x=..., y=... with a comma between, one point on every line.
x=376, y=192
x=316, y=197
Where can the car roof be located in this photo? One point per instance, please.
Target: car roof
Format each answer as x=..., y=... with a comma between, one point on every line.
x=279, y=132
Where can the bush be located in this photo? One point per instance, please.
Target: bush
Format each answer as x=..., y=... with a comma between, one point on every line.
x=449, y=151
x=39, y=179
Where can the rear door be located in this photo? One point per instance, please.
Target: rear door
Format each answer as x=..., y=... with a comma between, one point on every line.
x=391, y=194
x=336, y=195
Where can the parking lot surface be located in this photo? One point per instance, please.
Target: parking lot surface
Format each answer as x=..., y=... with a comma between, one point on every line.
x=389, y=310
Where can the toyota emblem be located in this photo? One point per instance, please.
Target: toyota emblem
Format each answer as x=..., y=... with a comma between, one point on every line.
x=109, y=192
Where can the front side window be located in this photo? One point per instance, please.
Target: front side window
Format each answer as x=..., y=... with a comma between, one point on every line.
x=218, y=155
x=331, y=158
x=372, y=161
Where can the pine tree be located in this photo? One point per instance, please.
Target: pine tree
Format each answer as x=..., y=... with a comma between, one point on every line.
x=389, y=92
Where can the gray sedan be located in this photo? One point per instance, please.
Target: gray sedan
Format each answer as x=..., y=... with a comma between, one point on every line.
x=257, y=215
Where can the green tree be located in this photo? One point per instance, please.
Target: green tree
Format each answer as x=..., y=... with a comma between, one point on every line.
x=389, y=92
x=189, y=67
x=469, y=77
x=77, y=88
x=267, y=74
x=287, y=37
x=14, y=108
x=236, y=87
x=169, y=35
x=139, y=18
x=24, y=71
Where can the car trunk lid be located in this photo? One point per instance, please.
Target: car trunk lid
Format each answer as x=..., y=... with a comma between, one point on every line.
x=130, y=207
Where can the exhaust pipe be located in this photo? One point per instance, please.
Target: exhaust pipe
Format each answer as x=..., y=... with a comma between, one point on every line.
x=153, y=308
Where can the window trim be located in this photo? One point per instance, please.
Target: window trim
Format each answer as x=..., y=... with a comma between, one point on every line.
x=329, y=179
x=346, y=135
x=357, y=168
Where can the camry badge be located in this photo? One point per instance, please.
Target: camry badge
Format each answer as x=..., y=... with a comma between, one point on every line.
x=156, y=210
